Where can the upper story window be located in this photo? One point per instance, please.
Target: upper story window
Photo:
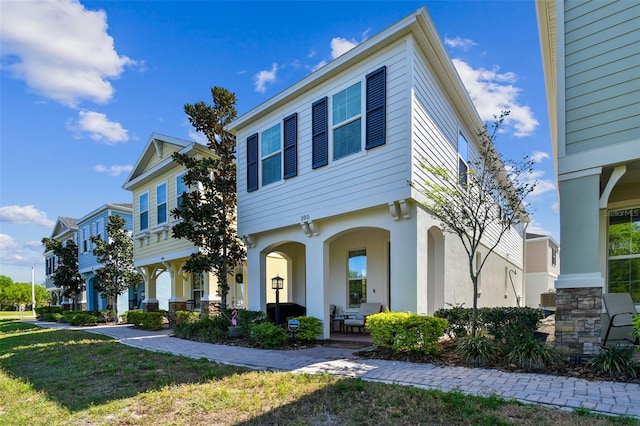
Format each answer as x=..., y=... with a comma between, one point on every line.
x=463, y=159
x=271, y=155
x=161, y=203
x=98, y=226
x=181, y=188
x=143, y=206
x=85, y=239
x=347, y=123
x=554, y=257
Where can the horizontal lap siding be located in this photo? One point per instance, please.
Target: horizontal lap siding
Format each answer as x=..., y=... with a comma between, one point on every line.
x=362, y=180
x=435, y=135
x=602, y=81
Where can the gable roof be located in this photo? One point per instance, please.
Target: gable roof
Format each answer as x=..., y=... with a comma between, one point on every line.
x=63, y=225
x=157, y=148
x=122, y=207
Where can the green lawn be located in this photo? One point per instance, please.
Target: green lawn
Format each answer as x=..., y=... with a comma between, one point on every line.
x=17, y=315
x=65, y=377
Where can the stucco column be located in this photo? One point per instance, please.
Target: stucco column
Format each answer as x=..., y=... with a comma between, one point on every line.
x=256, y=279
x=406, y=293
x=580, y=283
x=317, y=273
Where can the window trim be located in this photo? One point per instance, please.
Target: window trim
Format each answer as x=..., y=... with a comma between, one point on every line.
x=364, y=278
x=279, y=151
x=358, y=117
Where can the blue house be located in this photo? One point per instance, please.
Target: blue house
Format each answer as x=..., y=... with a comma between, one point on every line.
x=95, y=224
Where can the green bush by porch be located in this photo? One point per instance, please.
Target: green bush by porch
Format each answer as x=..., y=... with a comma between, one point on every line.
x=406, y=332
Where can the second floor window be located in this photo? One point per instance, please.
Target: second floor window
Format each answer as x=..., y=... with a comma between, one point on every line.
x=181, y=188
x=143, y=203
x=271, y=156
x=347, y=131
x=161, y=203
x=463, y=153
x=99, y=229
x=85, y=240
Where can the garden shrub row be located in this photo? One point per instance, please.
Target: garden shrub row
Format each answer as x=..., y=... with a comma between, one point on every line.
x=145, y=320
x=252, y=324
x=502, y=323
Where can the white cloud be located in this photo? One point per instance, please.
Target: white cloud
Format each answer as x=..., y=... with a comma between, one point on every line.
x=493, y=92
x=99, y=127
x=265, y=77
x=542, y=185
x=459, y=42
x=115, y=170
x=7, y=242
x=198, y=137
x=555, y=207
x=538, y=156
x=25, y=215
x=535, y=227
x=340, y=46
x=60, y=49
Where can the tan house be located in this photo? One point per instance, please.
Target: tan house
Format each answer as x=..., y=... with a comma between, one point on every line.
x=592, y=72
x=157, y=185
x=542, y=266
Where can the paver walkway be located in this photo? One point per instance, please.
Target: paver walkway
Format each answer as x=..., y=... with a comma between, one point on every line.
x=557, y=391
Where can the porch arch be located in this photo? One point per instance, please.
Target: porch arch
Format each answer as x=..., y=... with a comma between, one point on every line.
x=435, y=269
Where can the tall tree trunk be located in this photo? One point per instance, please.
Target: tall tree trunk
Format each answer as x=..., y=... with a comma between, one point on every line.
x=474, y=310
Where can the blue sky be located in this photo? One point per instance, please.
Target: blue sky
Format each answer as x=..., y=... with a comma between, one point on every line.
x=84, y=84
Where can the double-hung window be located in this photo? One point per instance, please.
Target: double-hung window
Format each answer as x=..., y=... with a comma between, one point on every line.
x=357, y=279
x=85, y=239
x=181, y=188
x=624, y=252
x=197, y=290
x=347, y=121
x=271, y=155
x=463, y=155
x=161, y=203
x=143, y=206
x=99, y=229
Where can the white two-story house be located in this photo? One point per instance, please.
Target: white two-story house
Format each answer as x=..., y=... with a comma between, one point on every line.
x=324, y=180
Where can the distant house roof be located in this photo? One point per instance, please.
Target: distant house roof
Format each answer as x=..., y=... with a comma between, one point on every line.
x=531, y=236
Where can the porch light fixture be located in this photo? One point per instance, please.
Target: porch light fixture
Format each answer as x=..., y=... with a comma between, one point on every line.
x=277, y=284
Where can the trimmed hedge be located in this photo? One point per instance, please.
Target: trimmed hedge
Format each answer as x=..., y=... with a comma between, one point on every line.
x=269, y=336
x=82, y=318
x=187, y=317
x=406, y=332
x=146, y=320
x=42, y=310
x=503, y=323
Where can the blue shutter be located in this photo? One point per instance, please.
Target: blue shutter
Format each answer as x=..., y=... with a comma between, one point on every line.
x=376, y=108
x=291, y=146
x=252, y=162
x=320, y=134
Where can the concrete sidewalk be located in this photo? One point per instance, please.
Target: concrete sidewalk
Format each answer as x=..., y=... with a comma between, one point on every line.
x=603, y=397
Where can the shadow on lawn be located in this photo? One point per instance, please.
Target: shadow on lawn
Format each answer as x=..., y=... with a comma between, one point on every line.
x=78, y=369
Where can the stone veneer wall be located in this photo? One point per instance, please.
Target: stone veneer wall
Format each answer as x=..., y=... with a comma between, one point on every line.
x=578, y=321
x=173, y=308
x=150, y=307
x=210, y=308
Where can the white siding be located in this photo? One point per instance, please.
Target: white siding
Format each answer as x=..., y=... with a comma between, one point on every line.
x=602, y=73
x=359, y=181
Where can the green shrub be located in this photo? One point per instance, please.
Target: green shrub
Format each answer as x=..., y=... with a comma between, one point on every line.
x=205, y=329
x=458, y=320
x=67, y=316
x=145, y=320
x=42, y=310
x=104, y=315
x=636, y=326
x=188, y=317
x=509, y=323
x=530, y=354
x=268, y=336
x=51, y=317
x=616, y=361
x=406, y=332
x=83, y=318
x=310, y=328
x=245, y=319
x=477, y=351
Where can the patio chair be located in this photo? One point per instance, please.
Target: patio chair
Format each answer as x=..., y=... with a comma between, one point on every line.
x=360, y=318
x=620, y=310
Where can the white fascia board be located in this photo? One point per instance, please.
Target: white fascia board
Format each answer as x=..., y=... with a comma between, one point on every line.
x=103, y=208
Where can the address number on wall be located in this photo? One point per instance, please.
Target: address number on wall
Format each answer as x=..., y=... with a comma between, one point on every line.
x=305, y=217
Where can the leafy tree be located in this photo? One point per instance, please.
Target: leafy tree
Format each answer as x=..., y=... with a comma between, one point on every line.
x=117, y=272
x=67, y=276
x=489, y=197
x=208, y=212
x=5, y=281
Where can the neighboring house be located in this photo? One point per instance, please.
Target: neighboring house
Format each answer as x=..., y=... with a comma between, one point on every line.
x=95, y=224
x=157, y=186
x=65, y=229
x=542, y=265
x=324, y=173
x=592, y=71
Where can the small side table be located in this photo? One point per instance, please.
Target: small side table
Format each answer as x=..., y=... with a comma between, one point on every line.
x=340, y=320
